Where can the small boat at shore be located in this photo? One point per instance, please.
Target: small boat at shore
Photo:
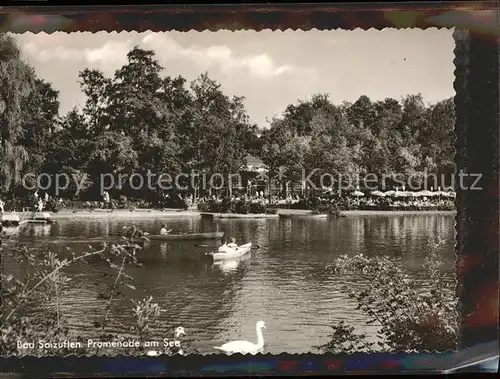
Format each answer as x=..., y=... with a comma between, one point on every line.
x=183, y=236
x=14, y=220
x=10, y=220
x=226, y=252
x=39, y=218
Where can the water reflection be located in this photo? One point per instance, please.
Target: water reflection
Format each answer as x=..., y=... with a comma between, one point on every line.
x=231, y=265
x=163, y=248
x=39, y=230
x=283, y=281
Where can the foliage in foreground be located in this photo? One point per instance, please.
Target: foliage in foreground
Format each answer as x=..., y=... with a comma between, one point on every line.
x=32, y=311
x=411, y=315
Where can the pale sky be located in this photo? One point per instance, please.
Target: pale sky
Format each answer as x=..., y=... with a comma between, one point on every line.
x=271, y=69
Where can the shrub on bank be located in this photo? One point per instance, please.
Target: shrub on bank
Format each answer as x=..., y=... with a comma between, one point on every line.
x=328, y=209
x=410, y=315
x=53, y=205
x=173, y=202
x=336, y=204
x=241, y=206
x=122, y=203
x=18, y=204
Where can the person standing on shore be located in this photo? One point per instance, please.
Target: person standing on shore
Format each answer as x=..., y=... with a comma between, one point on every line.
x=1, y=206
x=35, y=201
x=40, y=205
x=105, y=197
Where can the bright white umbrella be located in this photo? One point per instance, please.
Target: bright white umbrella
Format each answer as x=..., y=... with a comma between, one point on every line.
x=402, y=194
x=416, y=194
x=390, y=193
x=413, y=193
x=425, y=193
x=358, y=193
x=377, y=193
x=448, y=194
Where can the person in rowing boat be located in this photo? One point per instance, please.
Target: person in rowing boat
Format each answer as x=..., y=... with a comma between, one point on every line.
x=163, y=230
x=232, y=244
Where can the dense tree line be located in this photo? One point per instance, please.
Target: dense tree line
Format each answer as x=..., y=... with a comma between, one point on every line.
x=366, y=140
x=140, y=121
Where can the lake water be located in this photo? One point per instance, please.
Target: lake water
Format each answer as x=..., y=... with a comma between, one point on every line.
x=283, y=283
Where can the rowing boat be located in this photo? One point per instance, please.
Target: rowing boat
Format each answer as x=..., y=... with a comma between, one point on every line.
x=185, y=236
x=14, y=220
x=226, y=252
x=10, y=220
x=36, y=221
x=39, y=218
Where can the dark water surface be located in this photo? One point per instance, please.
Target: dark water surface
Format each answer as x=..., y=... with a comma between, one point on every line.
x=283, y=283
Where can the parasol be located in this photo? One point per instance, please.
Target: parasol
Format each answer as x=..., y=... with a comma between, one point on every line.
x=426, y=193
x=447, y=194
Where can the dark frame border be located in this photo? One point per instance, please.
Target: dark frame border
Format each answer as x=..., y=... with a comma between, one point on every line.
x=477, y=57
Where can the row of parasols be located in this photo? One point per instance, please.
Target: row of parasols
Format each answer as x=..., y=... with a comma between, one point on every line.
x=407, y=194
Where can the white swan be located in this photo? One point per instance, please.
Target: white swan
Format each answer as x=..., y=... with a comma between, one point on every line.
x=245, y=347
x=179, y=331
